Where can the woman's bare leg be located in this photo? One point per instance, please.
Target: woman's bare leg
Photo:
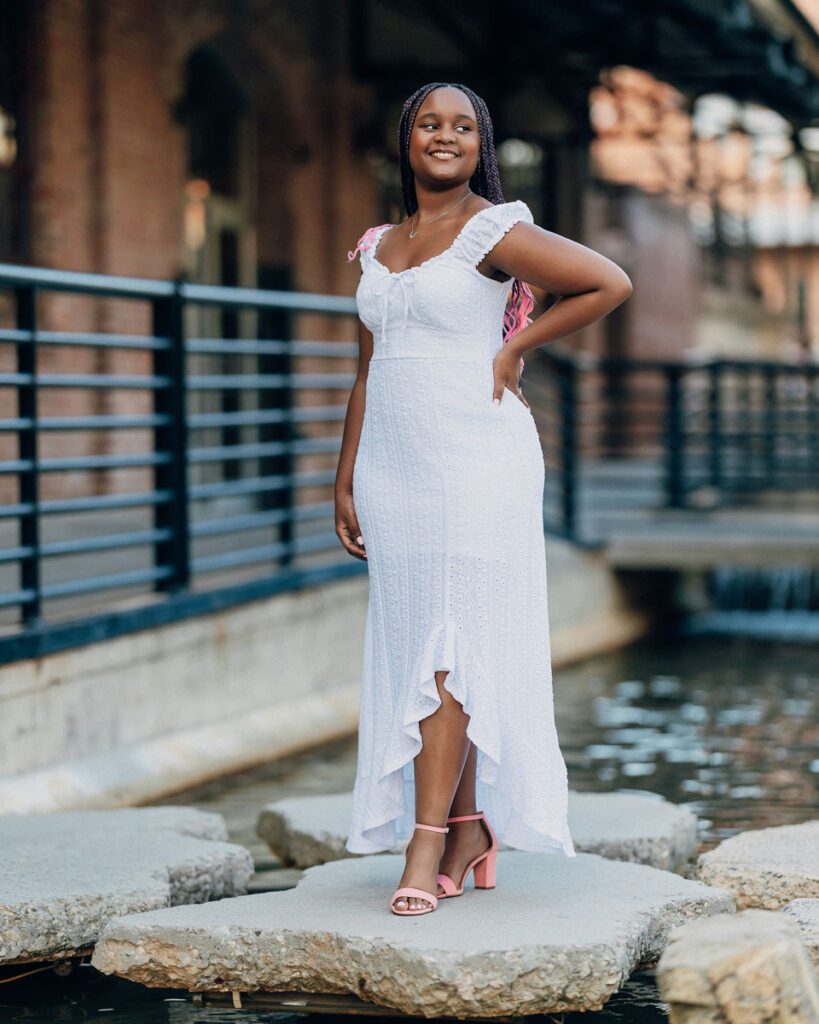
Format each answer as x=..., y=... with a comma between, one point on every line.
x=438, y=768
x=465, y=840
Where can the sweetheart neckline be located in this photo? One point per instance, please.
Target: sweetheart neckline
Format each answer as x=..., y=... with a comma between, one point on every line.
x=449, y=248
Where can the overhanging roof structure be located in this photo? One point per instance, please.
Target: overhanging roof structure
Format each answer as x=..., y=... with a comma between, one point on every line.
x=763, y=51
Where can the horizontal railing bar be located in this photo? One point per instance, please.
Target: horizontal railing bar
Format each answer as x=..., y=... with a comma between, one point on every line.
x=70, y=505
x=15, y=597
x=255, y=381
x=119, y=579
x=306, y=446
x=76, y=462
x=239, y=346
x=249, y=418
x=104, y=501
x=149, y=420
x=88, y=422
x=86, y=339
x=112, y=540
x=15, y=554
x=299, y=302
x=254, y=485
x=230, y=559
x=229, y=524
x=83, y=283
x=99, y=381
x=47, y=279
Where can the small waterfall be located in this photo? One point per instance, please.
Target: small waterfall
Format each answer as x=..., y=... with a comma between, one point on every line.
x=769, y=602
x=782, y=588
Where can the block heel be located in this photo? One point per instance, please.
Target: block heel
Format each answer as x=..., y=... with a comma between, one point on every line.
x=483, y=868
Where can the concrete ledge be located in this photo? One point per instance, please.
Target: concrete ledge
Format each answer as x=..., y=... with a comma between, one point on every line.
x=63, y=876
x=556, y=934
x=158, y=767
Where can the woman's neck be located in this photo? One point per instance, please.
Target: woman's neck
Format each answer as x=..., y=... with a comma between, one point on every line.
x=432, y=203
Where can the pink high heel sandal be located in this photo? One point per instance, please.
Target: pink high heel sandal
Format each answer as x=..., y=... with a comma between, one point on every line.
x=409, y=890
x=483, y=867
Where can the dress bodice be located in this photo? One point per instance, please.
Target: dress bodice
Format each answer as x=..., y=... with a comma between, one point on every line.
x=444, y=307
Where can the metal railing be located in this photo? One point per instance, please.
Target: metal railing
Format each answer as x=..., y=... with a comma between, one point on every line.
x=626, y=437
x=214, y=484
x=219, y=462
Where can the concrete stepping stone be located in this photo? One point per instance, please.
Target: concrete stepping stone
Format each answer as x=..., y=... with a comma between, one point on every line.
x=805, y=915
x=558, y=933
x=62, y=876
x=633, y=826
x=766, y=868
x=746, y=968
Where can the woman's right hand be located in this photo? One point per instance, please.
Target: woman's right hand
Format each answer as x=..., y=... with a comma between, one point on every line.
x=347, y=528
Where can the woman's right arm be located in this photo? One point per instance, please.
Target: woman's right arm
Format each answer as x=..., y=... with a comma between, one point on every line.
x=347, y=527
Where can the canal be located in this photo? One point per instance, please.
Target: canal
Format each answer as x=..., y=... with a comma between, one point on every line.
x=727, y=727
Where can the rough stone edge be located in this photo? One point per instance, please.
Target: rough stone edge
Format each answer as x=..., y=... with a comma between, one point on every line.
x=310, y=970
x=689, y=987
x=808, y=930
x=220, y=870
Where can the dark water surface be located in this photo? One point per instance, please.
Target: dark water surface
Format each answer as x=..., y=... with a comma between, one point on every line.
x=729, y=728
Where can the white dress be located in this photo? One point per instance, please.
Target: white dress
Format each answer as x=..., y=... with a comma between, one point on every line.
x=448, y=491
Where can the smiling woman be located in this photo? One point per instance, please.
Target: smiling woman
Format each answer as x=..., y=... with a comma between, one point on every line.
x=440, y=488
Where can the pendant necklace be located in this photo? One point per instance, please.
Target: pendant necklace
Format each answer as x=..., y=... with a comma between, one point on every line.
x=412, y=233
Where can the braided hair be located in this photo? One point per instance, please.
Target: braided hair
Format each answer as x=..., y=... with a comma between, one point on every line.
x=484, y=182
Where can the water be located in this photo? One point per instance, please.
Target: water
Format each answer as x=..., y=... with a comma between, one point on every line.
x=729, y=728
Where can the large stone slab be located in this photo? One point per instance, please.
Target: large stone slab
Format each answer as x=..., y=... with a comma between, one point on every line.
x=63, y=876
x=766, y=868
x=557, y=933
x=748, y=968
x=805, y=915
x=643, y=828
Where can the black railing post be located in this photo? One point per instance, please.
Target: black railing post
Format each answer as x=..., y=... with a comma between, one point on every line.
x=674, y=439
x=715, y=425
x=770, y=426
x=568, y=448
x=812, y=379
x=31, y=608
x=172, y=476
x=276, y=324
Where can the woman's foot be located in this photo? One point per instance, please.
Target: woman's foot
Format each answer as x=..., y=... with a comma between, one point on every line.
x=421, y=870
x=465, y=841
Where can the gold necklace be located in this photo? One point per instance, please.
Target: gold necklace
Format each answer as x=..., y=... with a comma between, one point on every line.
x=412, y=233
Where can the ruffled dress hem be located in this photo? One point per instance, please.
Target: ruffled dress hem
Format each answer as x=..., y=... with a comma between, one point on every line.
x=445, y=650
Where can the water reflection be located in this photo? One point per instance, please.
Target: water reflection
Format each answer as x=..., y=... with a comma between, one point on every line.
x=733, y=733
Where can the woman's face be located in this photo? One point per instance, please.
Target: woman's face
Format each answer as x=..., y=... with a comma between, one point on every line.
x=444, y=143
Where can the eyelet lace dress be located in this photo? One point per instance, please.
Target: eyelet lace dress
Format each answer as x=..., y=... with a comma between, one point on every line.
x=448, y=491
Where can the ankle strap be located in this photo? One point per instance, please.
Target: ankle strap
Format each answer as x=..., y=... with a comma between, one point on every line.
x=432, y=828
x=467, y=817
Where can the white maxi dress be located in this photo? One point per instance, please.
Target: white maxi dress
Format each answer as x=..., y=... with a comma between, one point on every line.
x=448, y=491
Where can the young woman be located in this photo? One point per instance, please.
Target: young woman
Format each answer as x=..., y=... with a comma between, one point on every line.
x=440, y=488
